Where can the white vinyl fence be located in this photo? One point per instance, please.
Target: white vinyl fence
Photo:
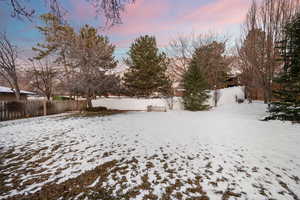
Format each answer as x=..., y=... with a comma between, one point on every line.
x=227, y=96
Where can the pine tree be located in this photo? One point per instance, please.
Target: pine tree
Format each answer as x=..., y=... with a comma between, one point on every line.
x=287, y=104
x=147, y=69
x=195, y=85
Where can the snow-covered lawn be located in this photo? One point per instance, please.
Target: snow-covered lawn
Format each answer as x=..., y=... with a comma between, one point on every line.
x=226, y=153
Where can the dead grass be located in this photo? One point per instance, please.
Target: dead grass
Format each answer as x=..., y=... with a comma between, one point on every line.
x=119, y=171
x=76, y=186
x=96, y=114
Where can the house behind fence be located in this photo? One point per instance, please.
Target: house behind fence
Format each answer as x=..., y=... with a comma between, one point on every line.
x=8, y=94
x=10, y=110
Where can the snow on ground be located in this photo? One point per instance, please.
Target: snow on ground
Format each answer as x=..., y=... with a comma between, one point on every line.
x=228, y=95
x=225, y=153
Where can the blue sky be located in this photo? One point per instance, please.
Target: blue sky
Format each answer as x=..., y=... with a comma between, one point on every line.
x=166, y=19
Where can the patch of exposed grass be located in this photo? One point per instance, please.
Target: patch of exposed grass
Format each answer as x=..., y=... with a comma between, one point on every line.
x=75, y=186
x=96, y=114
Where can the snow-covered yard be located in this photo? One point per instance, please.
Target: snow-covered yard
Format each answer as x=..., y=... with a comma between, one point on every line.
x=226, y=153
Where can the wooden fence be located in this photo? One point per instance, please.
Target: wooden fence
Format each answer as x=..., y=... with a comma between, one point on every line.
x=10, y=110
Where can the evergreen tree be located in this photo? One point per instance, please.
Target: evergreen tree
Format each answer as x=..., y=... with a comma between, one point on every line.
x=147, y=69
x=287, y=104
x=195, y=85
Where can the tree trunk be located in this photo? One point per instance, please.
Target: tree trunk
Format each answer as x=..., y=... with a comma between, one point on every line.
x=249, y=100
x=89, y=101
x=48, y=93
x=249, y=95
x=265, y=96
x=269, y=93
x=245, y=92
x=17, y=90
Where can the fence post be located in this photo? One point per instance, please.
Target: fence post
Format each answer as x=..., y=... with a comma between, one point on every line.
x=1, y=110
x=45, y=107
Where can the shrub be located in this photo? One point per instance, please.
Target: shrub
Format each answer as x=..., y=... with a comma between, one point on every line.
x=97, y=109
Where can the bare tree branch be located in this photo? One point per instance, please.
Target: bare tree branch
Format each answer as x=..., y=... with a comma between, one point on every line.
x=8, y=57
x=111, y=9
x=182, y=49
x=42, y=74
x=262, y=30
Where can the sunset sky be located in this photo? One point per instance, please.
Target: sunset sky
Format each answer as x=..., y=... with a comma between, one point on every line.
x=166, y=19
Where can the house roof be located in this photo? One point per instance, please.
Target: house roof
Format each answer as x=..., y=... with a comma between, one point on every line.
x=9, y=90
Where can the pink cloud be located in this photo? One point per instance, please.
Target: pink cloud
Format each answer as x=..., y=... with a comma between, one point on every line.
x=148, y=17
x=154, y=17
x=218, y=14
x=82, y=10
x=142, y=17
x=145, y=9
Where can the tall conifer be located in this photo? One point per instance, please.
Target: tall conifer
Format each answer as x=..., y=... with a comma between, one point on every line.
x=287, y=104
x=147, y=69
x=195, y=85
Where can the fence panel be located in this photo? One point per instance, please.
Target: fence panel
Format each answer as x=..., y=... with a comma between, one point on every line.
x=10, y=110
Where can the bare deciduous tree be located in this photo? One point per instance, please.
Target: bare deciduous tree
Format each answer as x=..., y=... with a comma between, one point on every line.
x=8, y=65
x=182, y=48
x=42, y=75
x=262, y=30
x=181, y=52
x=252, y=62
x=216, y=65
